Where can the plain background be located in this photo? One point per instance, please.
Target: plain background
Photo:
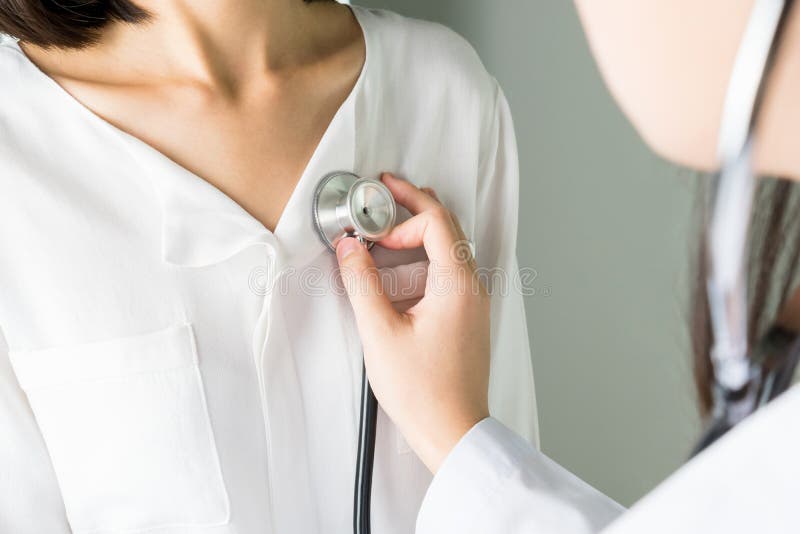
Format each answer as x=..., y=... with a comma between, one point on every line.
x=607, y=226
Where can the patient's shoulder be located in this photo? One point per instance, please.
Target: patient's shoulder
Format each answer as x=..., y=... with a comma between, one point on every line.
x=12, y=63
x=427, y=53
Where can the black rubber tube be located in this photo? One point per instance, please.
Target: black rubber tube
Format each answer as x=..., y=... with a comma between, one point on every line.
x=366, y=457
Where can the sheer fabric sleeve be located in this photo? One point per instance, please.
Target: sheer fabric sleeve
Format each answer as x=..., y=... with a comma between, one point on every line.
x=512, y=397
x=30, y=501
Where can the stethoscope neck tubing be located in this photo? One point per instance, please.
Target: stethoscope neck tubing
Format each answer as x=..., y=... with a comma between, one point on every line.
x=345, y=205
x=733, y=193
x=746, y=87
x=739, y=383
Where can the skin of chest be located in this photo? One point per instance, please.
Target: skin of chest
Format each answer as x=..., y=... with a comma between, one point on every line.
x=253, y=147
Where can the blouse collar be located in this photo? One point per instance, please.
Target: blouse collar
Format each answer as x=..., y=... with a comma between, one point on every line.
x=202, y=226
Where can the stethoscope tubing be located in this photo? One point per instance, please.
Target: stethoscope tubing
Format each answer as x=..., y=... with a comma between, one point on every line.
x=738, y=379
x=366, y=456
x=337, y=210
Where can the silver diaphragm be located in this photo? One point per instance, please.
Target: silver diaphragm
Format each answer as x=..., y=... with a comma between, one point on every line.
x=346, y=205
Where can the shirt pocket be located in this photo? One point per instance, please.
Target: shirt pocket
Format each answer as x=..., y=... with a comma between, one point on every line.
x=128, y=431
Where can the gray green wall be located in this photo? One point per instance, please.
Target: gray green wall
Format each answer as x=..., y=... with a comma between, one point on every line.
x=606, y=225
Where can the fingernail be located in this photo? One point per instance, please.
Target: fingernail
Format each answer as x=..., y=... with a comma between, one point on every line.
x=346, y=247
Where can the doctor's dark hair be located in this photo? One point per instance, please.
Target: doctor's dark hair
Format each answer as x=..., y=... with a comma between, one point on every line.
x=67, y=23
x=773, y=263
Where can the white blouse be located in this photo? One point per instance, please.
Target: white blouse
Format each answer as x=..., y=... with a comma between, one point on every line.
x=169, y=365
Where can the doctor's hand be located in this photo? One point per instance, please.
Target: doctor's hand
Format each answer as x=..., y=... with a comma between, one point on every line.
x=428, y=366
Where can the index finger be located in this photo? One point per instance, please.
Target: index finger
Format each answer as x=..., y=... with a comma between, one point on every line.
x=433, y=226
x=408, y=195
x=432, y=229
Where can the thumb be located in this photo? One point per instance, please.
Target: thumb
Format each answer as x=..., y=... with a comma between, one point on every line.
x=362, y=282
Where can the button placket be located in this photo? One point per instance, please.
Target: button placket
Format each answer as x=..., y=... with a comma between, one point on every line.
x=259, y=281
x=282, y=408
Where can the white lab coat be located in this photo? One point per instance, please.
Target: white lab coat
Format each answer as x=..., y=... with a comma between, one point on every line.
x=748, y=482
x=174, y=367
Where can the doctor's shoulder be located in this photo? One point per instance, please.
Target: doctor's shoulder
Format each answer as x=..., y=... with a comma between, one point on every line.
x=748, y=481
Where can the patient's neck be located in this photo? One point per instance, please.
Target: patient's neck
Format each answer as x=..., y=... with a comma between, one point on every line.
x=221, y=43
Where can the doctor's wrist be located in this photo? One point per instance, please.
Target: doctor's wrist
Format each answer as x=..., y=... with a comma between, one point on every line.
x=435, y=444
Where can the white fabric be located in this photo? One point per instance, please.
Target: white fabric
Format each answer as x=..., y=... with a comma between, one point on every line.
x=749, y=481
x=173, y=366
x=493, y=481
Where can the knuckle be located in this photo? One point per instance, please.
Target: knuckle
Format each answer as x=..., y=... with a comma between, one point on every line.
x=430, y=192
x=440, y=215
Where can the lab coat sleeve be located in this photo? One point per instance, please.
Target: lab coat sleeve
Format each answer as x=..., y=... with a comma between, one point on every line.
x=494, y=482
x=30, y=501
x=512, y=398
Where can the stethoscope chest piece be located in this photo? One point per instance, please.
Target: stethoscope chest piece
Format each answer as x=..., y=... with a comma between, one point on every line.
x=346, y=205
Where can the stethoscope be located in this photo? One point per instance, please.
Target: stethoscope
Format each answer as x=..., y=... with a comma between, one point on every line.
x=745, y=378
x=346, y=205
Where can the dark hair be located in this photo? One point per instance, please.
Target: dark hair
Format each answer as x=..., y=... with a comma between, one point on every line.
x=66, y=23
x=773, y=267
